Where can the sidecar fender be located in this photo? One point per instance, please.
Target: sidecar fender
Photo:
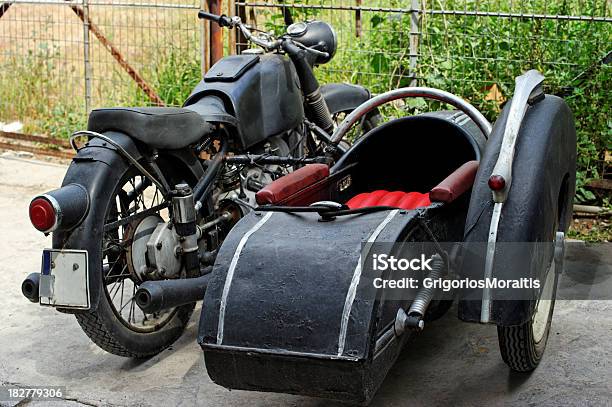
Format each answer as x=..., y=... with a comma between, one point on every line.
x=539, y=204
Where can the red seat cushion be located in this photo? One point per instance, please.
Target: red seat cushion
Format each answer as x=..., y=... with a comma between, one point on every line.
x=456, y=184
x=397, y=199
x=292, y=183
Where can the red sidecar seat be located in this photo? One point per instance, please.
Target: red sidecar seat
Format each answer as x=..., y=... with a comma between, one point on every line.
x=448, y=190
x=397, y=199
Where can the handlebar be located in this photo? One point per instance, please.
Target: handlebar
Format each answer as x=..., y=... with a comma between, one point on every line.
x=222, y=20
x=266, y=41
x=233, y=22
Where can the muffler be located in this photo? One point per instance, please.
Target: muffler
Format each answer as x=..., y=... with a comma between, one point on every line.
x=30, y=287
x=155, y=296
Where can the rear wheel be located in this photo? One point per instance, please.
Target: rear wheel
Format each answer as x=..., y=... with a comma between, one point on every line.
x=118, y=325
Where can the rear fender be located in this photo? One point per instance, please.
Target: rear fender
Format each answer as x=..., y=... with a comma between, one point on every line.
x=98, y=167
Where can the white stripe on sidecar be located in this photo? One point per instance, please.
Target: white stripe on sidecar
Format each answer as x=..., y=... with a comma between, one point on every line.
x=230, y=274
x=350, y=295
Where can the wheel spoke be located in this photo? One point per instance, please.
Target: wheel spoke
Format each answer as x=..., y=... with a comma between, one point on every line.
x=132, y=203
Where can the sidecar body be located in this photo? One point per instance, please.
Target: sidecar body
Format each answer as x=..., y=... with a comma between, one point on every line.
x=292, y=306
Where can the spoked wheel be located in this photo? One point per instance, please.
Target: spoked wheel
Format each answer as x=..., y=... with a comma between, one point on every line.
x=522, y=346
x=118, y=325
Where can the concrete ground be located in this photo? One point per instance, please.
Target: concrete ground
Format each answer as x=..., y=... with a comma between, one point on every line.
x=450, y=363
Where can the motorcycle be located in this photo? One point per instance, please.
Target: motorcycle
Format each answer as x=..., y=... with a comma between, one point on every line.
x=153, y=191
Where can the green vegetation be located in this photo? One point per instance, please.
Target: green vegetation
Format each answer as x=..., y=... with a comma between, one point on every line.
x=475, y=57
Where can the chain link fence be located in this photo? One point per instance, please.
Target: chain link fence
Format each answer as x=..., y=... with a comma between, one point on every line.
x=58, y=58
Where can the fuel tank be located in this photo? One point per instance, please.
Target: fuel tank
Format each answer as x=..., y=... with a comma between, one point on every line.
x=261, y=93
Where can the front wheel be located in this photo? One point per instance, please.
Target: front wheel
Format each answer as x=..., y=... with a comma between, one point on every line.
x=522, y=346
x=118, y=325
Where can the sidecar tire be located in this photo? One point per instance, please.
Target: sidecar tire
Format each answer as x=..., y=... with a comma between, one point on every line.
x=520, y=349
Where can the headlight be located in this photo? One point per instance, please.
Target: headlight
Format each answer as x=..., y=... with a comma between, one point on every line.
x=315, y=34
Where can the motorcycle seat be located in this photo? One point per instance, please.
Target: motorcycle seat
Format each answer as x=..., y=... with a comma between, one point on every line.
x=167, y=128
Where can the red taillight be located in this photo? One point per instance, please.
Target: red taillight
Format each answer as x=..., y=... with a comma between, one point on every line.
x=497, y=182
x=42, y=214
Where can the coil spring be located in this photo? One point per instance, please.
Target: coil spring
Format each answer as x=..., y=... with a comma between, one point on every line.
x=425, y=294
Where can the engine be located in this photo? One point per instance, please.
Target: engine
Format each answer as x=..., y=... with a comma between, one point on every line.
x=187, y=245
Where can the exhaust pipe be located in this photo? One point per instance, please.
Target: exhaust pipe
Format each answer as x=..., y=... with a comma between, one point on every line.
x=30, y=287
x=155, y=296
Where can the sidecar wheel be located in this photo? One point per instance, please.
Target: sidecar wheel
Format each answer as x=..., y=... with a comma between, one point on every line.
x=522, y=346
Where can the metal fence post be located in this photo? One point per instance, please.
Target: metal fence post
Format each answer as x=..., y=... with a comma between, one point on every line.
x=415, y=34
x=86, y=61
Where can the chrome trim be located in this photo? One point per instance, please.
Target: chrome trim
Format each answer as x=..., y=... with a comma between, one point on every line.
x=485, y=310
x=424, y=92
x=559, y=251
x=350, y=295
x=528, y=89
x=230, y=274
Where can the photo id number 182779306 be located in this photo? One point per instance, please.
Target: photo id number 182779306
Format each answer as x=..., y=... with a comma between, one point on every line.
x=15, y=393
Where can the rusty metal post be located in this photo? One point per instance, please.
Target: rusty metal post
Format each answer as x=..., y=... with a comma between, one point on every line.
x=216, y=33
x=231, y=11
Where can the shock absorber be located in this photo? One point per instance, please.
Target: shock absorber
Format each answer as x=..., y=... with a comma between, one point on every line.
x=184, y=215
x=414, y=318
x=310, y=86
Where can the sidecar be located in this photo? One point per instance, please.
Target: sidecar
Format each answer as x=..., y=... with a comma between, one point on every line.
x=294, y=304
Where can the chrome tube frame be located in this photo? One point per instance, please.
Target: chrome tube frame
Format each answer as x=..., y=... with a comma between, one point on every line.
x=412, y=92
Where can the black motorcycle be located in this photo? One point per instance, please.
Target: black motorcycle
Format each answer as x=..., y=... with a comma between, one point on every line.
x=153, y=191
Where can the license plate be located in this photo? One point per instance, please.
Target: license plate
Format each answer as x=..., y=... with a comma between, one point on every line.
x=64, y=279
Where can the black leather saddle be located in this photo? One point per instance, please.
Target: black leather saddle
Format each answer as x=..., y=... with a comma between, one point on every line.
x=159, y=127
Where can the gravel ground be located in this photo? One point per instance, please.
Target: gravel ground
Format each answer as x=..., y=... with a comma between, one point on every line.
x=450, y=363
